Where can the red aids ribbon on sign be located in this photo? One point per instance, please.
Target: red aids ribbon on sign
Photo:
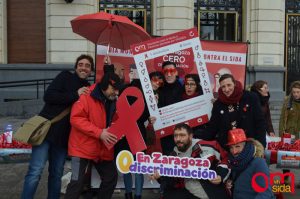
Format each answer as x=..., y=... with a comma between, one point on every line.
x=126, y=124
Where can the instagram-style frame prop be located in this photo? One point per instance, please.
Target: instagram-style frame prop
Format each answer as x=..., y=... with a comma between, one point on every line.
x=194, y=111
x=219, y=58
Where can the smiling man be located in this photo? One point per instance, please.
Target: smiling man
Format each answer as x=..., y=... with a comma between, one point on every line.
x=64, y=90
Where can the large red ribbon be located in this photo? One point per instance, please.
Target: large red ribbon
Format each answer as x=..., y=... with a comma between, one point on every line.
x=126, y=123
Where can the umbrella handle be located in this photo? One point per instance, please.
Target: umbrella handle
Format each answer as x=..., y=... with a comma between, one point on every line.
x=107, y=51
x=110, y=25
x=107, y=58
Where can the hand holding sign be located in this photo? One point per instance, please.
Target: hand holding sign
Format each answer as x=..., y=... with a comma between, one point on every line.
x=108, y=138
x=126, y=124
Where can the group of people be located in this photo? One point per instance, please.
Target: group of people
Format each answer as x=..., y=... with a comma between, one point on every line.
x=233, y=140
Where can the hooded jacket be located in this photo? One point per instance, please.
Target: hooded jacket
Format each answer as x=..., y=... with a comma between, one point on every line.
x=242, y=188
x=88, y=119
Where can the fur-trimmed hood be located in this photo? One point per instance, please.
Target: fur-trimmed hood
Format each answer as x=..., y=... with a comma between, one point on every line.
x=259, y=149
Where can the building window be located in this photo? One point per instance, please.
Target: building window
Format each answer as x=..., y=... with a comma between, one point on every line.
x=219, y=19
x=292, y=41
x=139, y=11
x=292, y=6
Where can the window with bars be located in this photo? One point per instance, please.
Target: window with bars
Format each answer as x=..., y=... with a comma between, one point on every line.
x=292, y=42
x=139, y=11
x=292, y=6
x=219, y=19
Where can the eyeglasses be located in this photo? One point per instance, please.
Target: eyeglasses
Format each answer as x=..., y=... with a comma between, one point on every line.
x=189, y=84
x=169, y=71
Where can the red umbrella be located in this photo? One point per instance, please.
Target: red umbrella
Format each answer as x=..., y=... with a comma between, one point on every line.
x=107, y=29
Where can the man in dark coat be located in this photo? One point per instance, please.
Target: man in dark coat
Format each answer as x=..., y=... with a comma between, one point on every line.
x=61, y=94
x=170, y=93
x=235, y=108
x=172, y=90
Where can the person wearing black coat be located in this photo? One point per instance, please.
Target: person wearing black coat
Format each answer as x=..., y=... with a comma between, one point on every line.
x=234, y=108
x=123, y=145
x=261, y=88
x=64, y=90
x=170, y=93
x=61, y=94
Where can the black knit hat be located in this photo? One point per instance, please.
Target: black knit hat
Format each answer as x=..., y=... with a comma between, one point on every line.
x=111, y=79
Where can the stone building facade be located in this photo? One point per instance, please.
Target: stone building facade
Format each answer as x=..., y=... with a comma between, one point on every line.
x=262, y=23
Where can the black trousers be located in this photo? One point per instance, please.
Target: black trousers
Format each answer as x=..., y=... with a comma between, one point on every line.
x=178, y=194
x=107, y=171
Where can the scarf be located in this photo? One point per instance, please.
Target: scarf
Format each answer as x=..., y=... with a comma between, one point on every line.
x=185, y=96
x=235, y=97
x=240, y=162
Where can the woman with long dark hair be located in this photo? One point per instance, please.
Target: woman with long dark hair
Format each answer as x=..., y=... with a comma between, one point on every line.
x=261, y=88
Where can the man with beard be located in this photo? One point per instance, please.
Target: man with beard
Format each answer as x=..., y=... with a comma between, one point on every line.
x=91, y=115
x=188, y=188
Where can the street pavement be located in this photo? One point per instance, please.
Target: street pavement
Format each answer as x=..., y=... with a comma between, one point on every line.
x=12, y=175
x=12, y=179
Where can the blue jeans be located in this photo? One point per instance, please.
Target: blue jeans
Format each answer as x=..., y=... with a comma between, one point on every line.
x=139, y=182
x=40, y=154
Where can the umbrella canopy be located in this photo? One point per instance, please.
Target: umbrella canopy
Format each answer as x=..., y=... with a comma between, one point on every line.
x=107, y=29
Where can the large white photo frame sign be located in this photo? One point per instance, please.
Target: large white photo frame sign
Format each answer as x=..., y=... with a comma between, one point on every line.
x=194, y=111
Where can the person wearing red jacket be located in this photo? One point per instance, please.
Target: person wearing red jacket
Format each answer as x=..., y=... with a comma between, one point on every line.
x=91, y=115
